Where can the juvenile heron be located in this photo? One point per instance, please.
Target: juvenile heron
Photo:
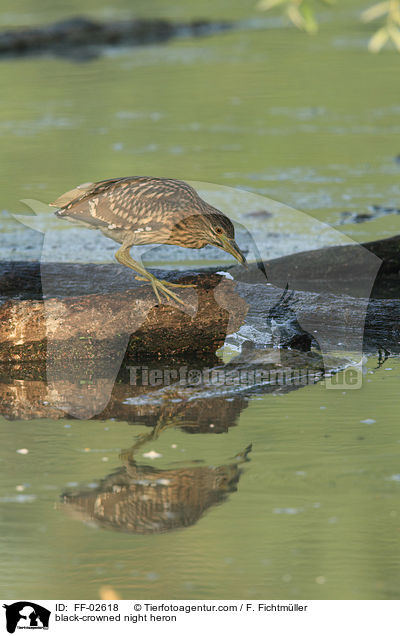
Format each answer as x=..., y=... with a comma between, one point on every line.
x=145, y=210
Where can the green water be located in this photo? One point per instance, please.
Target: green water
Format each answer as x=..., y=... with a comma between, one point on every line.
x=311, y=122
x=316, y=512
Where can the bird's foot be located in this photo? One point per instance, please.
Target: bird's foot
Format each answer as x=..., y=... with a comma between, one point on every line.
x=159, y=287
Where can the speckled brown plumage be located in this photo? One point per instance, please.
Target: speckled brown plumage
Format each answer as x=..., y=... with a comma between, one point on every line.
x=145, y=210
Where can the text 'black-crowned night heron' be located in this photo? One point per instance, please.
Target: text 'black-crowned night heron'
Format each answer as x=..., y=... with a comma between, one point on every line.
x=145, y=210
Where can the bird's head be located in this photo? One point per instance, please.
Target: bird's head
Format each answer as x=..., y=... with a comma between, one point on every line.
x=211, y=227
x=221, y=233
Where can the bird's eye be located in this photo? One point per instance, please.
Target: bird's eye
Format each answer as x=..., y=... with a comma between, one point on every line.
x=219, y=230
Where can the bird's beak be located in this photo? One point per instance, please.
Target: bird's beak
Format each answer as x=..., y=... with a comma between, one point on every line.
x=230, y=246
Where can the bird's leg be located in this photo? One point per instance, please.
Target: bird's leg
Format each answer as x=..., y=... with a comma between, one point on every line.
x=123, y=257
x=164, y=422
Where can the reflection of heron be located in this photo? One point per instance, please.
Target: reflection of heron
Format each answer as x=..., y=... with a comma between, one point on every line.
x=171, y=415
x=166, y=419
x=210, y=415
x=383, y=355
x=144, y=210
x=145, y=500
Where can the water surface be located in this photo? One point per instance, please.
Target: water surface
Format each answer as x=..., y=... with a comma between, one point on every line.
x=310, y=122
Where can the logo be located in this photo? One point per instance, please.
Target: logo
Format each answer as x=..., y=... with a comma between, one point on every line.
x=26, y=615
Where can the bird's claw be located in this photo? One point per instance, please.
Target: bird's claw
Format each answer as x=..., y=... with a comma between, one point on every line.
x=160, y=287
x=168, y=294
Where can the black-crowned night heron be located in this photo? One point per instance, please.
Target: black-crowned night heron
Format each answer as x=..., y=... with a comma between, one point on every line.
x=144, y=210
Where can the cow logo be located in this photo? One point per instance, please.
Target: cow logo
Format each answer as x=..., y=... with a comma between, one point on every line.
x=26, y=615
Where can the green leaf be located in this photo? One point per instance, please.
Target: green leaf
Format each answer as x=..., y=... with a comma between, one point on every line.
x=375, y=12
x=295, y=16
x=378, y=40
x=394, y=34
x=310, y=23
x=395, y=13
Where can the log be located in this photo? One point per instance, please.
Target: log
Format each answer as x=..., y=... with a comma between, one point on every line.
x=331, y=322
x=61, y=302
x=64, y=326
x=55, y=310
x=83, y=37
x=363, y=270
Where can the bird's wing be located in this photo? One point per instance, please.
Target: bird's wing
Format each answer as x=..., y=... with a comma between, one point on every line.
x=130, y=202
x=83, y=191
